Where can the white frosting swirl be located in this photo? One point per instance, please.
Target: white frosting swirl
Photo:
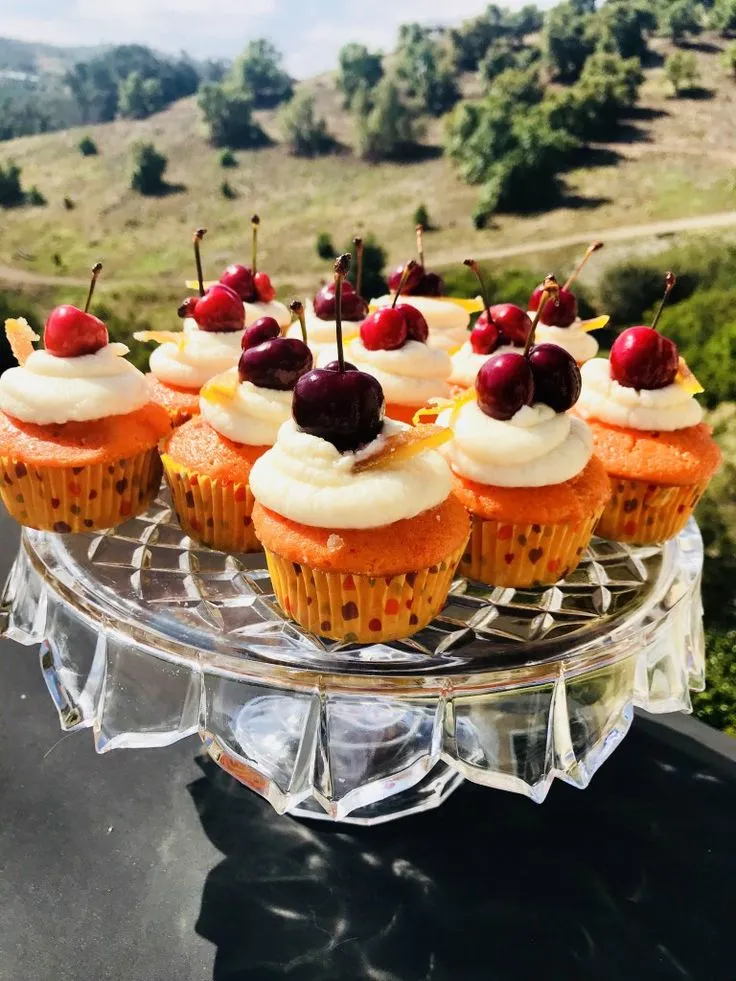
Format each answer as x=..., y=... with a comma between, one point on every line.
x=49, y=390
x=199, y=356
x=580, y=344
x=254, y=311
x=447, y=321
x=253, y=416
x=466, y=363
x=322, y=334
x=306, y=479
x=535, y=448
x=410, y=375
x=660, y=409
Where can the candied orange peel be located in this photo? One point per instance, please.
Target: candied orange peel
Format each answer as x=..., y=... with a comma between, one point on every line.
x=221, y=389
x=192, y=284
x=20, y=337
x=177, y=337
x=474, y=305
x=596, y=323
x=687, y=380
x=403, y=446
x=436, y=406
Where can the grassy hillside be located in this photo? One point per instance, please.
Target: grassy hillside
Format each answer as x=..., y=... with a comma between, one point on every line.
x=676, y=158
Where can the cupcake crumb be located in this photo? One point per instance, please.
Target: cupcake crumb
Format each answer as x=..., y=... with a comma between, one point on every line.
x=334, y=543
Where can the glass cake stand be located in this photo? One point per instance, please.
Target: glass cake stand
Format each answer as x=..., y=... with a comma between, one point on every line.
x=147, y=637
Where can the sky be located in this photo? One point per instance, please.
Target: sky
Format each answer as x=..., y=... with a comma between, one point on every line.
x=309, y=32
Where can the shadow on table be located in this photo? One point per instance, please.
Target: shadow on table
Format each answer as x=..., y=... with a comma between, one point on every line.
x=632, y=879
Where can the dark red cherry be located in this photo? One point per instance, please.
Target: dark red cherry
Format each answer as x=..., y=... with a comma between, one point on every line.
x=264, y=287
x=240, y=279
x=642, y=358
x=343, y=407
x=354, y=306
x=504, y=384
x=513, y=322
x=431, y=285
x=220, y=310
x=384, y=330
x=485, y=337
x=560, y=314
x=413, y=280
x=556, y=374
x=276, y=363
x=417, y=328
x=335, y=366
x=262, y=330
x=70, y=333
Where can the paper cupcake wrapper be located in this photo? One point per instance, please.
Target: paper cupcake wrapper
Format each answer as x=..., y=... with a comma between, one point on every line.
x=212, y=511
x=361, y=609
x=74, y=499
x=523, y=555
x=646, y=514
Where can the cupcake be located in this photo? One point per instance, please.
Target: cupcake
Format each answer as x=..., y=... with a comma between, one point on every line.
x=255, y=288
x=393, y=346
x=500, y=329
x=560, y=323
x=320, y=314
x=78, y=432
x=355, y=512
x=208, y=460
x=649, y=433
x=448, y=317
x=524, y=468
x=208, y=345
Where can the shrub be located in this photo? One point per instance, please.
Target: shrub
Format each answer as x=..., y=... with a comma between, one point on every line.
x=149, y=167
x=627, y=290
x=723, y=16
x=11, y=191
x=325, y=248
x=421, y=217
x=374, y=261
x=728, y=59
x=87, y=147
x=717, y=704
x=68, y=204
x=304, y=132
x=359, y=69
x=35, y=197
x=679, y=19
x=227, y=159
x=681, y=69
x=228, y=191
x=387, y=131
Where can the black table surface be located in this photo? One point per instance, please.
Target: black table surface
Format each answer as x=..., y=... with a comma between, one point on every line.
x=153, y=865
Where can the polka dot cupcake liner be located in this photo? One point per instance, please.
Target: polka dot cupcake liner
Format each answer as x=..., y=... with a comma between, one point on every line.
x=523, y=555
x=75, y=499
x=212, y=511
x=642, y=513
x=361, y=609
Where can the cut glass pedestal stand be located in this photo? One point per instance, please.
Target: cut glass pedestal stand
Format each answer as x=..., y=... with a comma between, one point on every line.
x=147, y=637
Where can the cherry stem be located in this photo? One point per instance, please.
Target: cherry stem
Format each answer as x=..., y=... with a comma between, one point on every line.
x=551, y=288
x=297, y=308
x=358, y=243
x=255, y=222
x=411, y=265
x=473, y=265
x=420, y=244
x=342, y=265
x=669, y=281
x=593, y=247
x=96, y=270
x=198, y=236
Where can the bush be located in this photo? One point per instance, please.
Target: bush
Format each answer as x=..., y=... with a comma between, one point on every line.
x=87, y=147
x=628, y=289
x=374, y=261
x=35, y=197
x=229, y=117
x=68, y=204
x=228, y=191
x=728, y=59
x=723, y=16
x=566, y=41
x=421, y=217
x=359, y=70
x=607, y=88
x=325, y=248
x=227, y=159
x=149, y=167
x=387, y=131
x=259, y=72
x=681, y=69
x=680, y=19
x=139, y=97
x=429, y=76
x=305, y=133
x=11, y=191
x=717, y=704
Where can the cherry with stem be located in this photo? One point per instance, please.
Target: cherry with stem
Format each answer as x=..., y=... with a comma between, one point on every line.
x=255, y=222
x=342, y=266
x=96, y=270
x=473, y=266
x=593, y=247
x=550, y=290
x=669, y=282
x=358, y=243
x=197, y=238
x=297, y=308
x=408, y=269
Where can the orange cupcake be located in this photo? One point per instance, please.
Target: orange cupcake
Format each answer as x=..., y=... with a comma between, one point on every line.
x=648, y=433
x=208, y=459
x=355, y=512
x=78, y=433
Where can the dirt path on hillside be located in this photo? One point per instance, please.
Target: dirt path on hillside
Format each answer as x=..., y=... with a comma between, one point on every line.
x=619, y=234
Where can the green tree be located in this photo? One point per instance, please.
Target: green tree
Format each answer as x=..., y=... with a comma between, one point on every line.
x=229, y=117
x=680, y=19
x=149, y=167
x=386, y=130
x=427, y=73
x=472, y=39
x=87, y=147
x=359, y=68
x=566, y=40
x=11, y=189
x=681, y=69
x=304, y=132
x=621, y=26
x=522, y=87
x=607, y=88
x=139, y=97
x=723, y=16
x=259, y=71
x=728, y=59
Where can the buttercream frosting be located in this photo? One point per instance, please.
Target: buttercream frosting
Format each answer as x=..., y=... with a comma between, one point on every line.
x=577, y=342
x=466, y=363
x=253, y=416
x=409, y=375
x=254, y=311
x=197, y=357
